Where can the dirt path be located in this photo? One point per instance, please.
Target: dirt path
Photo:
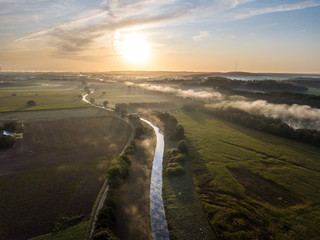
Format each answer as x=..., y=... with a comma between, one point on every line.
x=133, y=211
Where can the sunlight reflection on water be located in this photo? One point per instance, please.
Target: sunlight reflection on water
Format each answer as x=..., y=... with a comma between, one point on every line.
x=157, y=214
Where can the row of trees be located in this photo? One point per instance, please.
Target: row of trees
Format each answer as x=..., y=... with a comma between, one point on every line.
x=269, y=125
x=117, y=173
x=257, y=85
x=283, y=97
x=8, y=141
x=177, y=156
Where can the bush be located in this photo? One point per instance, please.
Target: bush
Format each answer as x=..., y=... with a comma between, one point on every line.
x=182, y=146
x=173, y=152
x=66, y=222
x=179, y=132
x=126, y=159
x=175, y=171
x=114, y=171
x=104, y=234
x=92, y=100
x=31, y=103
x=173, y=165
x=138, y=132
x=6, y=141
x=180, y=158
x=10, y=126
x=105, y=103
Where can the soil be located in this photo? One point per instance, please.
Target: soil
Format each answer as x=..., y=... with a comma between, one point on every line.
x=53, y=142
x=133, y=209
x=264, y=190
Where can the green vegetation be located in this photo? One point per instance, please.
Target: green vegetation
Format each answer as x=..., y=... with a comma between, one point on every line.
x=253, y=185
x=134, y=97
x=77, y=232
x=31, y=103
x=269, y=125
x=185, y=217
x=8, y=141
x=42, y=99
x=66, y=222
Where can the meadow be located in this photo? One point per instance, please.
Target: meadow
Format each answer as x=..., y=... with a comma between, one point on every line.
x=253, y=185
x=46, y=94
x=135, y=97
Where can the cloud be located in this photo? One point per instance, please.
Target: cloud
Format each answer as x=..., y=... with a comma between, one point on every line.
x=203, y=35
x=247, y=13
x=82, y=33
x=297, y=116
x=116, y=16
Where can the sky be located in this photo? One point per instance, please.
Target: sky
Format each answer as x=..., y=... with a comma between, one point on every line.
x=166, y=35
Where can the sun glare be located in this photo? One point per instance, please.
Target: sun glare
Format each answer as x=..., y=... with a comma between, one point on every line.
x=135, y=49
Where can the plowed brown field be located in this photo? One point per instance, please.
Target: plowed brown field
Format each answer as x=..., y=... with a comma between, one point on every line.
x=56, y=170
x=49, y=143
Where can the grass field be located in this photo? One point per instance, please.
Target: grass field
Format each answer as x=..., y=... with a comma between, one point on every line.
x=56, y=170
x=120, y=93
x=77, y=232
x=45, y=99
x=185, y=217
x=253, y=185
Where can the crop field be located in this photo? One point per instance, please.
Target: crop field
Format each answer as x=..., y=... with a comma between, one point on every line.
x=48, y=143
x=56, y=170
x=253, y=185
x=120, y=93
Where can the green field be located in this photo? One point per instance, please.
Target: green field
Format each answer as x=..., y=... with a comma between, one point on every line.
x=46, y=94
x=185, y=217
x=253, y=185
x=120, y=93
x=77, y=232
x=45, y=99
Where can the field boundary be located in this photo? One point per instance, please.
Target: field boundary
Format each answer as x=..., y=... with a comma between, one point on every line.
x=45, y=109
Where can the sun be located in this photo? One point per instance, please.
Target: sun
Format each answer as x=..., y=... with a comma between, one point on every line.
x=134, y=49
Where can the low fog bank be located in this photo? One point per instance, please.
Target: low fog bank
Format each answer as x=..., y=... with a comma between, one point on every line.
x=179, y=92
x=297, y=116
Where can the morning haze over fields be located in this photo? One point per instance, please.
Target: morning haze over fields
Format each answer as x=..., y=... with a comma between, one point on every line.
x=156, y=120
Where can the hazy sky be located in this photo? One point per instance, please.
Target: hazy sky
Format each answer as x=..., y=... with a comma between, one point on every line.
x=204, y=35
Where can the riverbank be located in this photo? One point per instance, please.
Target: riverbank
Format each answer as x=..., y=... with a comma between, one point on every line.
x=185, y=217
x=133, y=211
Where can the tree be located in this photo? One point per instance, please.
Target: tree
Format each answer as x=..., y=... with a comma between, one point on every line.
x=10, y=126
x=105, y=103
x=7, y=141
x=182, y=146
x=179, y=132
x=92, y=100
x=31, y=103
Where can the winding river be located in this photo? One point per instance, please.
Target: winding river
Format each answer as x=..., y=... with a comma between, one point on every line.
x=157, y=214
x=158, y=219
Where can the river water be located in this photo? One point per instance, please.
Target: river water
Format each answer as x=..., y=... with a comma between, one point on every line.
x=158, y=219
